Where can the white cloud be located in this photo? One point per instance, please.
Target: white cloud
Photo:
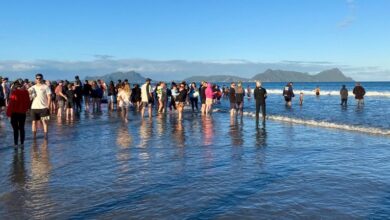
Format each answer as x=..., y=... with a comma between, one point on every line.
x=350, y=17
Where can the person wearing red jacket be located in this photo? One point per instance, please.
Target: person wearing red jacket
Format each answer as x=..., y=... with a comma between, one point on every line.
x=19, y=103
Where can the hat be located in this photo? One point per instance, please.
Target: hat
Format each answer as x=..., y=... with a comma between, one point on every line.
x=148, y=80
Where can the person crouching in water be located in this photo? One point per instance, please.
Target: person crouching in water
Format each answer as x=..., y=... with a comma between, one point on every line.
x=18, y=105
x=260, y=95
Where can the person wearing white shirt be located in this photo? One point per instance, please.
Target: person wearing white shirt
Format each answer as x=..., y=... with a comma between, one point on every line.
x=41, y=100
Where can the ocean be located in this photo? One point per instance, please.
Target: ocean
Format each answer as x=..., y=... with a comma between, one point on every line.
x=318, y=160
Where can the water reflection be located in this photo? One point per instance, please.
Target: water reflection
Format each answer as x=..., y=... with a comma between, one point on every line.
x=40, y=164
x=40, y=175
x=235, y=131
x=145, y=131
x=18, y=171
x=261, y=137
x=124, y=140
x=208, y=130
x=178, y=133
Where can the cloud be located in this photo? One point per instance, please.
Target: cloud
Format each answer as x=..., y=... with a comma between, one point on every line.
x=350, y=18
x=103, y=56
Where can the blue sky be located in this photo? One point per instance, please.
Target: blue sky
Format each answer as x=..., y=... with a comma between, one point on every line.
x=350, y=34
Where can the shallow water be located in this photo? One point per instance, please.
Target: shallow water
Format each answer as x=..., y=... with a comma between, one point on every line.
x=100, y=167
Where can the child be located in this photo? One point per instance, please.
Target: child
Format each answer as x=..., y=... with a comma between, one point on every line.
x=70, y=95
x=301, y=98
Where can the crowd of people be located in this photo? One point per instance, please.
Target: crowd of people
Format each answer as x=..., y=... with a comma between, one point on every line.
x=63, y=98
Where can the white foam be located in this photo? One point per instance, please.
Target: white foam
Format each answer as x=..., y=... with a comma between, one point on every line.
x=324, y=124
x=329, y=92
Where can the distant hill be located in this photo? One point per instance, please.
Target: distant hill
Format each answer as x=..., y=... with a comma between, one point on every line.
x=132, y=76
x=216, y=78
x=332, y=75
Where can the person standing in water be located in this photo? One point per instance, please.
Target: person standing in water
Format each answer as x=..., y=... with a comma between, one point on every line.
x=240, y=94
x=288, y=93
x=19, y=103
x=260, y=95
x=147, y=97
x=248, y=92
x=344, y=95
x=232, y=99
x=359, y=93
x=41, y=95
x=301, y=99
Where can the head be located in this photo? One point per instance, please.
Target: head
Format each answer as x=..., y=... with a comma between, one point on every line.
x=76, y=78
x=86, y=81
x=258, y=84
x=39, y=78
x=193, y=85
x=232, y=84
x=148, y=80
x=17, y=85
x=343, y=86
x=70, y=86
x=358, y=84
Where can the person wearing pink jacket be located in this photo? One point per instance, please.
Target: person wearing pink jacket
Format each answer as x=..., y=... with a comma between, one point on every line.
x=209, y=98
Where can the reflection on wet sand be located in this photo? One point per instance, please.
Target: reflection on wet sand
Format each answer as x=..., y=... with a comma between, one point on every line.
x=178, y=133
x=261, y=137
x=145, y=132
x=235, y=131
x=124, y=140
x=18, y=172
x=208, y=130
x=38, y=185
x=15, y=202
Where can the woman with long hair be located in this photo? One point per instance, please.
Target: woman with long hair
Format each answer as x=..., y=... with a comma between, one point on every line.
x=19, y=104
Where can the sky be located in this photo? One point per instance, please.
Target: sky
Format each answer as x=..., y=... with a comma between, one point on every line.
x=174, y=38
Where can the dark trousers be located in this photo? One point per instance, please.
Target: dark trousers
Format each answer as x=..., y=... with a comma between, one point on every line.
x=172, y=104
x=258, y=106
x=17, y=121
x=77, y=102
x=344, y=101
x=194, y=103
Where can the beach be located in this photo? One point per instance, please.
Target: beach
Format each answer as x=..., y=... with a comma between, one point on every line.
x=98, y=167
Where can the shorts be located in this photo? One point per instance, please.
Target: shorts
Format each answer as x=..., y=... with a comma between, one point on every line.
x=203, y=101
x=287, y=99
x=2, y=102
x=61, y=103
x=69, y=104
x=111, y=98
x=209, y=101
x=240, y=105
x=145, y=104
x=40, y=114
x=232, y=105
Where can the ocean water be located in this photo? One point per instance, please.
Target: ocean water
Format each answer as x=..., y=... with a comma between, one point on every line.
x=315, y=161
